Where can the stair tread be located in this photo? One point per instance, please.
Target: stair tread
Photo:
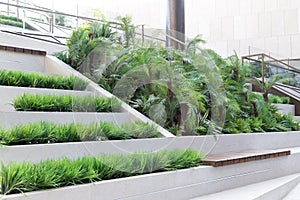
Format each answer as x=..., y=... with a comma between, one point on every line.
x=251, y=192
x=228, y=158
x=294, y=194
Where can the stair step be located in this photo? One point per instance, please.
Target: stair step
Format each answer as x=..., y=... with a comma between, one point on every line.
x=274, y=189
x=8, y=93
x=294, y=194
x=222, y=159
x=10, y=119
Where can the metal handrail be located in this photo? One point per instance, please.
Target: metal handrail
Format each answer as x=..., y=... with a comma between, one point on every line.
x=113, y=25
x=264, y=62
x=270, y=57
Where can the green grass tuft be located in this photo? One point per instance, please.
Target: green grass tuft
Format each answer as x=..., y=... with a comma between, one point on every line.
x=27, y=177
x=22, y=79
x=65, y=103
x=48, y=132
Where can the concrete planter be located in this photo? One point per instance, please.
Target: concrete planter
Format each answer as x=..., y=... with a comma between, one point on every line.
x=8, y=93
x=206, y=144
x=175, y=185
x=10, y=119
x=286, y=108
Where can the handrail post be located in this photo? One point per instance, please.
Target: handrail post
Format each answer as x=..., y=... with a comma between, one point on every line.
x=143, y=33
x=263, y=71
x=7, y=7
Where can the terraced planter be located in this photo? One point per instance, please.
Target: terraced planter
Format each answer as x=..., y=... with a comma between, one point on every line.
x=26, y=177
x=65, y=103
x=22, y=79
x=175, y=185
x=48, y=132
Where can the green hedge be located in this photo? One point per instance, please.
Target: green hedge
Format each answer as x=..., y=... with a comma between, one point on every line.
x=8, y=17
x=22, y=79
x=13, y=21
x=47, y=132
x=27, y=177
x=65, y=103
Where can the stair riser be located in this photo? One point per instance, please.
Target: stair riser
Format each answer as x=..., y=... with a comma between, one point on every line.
x=280, y=192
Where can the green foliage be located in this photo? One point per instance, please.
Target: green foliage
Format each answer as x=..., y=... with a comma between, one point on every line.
x=12, y=21
x=157, y=81
x=65, y=103
x=8, y=17
x=279, y=100
x=84, y=39
x=22, y=79
x=128, y=28
x=27, y=177
x=47, y=132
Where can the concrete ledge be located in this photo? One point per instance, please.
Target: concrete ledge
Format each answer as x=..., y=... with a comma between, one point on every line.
x=286, y=108
x=10, y=119
x=206, y=144
x=8, y=93
x=176, y=185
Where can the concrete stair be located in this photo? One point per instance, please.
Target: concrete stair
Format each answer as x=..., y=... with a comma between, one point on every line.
x=256, y=179
x=294, y=194
x=274, y=189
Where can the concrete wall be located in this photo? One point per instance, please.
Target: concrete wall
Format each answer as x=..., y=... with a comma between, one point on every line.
x=270, y=25
x=227, y=25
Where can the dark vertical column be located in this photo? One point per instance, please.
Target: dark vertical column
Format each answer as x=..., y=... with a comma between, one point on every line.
x=175, y=24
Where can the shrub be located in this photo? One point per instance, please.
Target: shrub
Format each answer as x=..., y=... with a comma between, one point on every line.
x=27, y=177
x=47, y=132
x=65, y=103
x=278, y=99
x=21, y=79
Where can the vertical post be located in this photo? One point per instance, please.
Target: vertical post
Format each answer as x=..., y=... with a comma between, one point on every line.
x=24, y=17
x=53, y=18
x=175, y=24
x=263, y=71
x=77, y=16
x=18, y=14
x=7, y=7
x=143, y=33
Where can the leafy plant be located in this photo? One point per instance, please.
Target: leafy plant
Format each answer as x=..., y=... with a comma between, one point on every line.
x=47, y=132
x=267, y=85
x=22, y=79
x=84, y=39
x=278, y=99
x=65, y=103
x=143, y=76
x=27, y=177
